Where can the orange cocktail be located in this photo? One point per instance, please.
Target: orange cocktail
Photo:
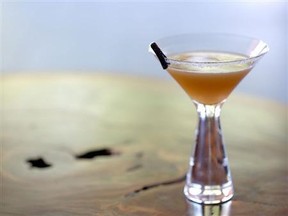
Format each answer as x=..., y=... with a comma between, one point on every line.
x=208, y=67
x=208, y=85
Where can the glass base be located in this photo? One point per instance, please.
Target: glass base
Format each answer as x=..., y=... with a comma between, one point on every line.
x=214, y=194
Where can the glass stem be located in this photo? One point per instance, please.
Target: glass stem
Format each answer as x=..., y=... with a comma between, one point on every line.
x=209, y=171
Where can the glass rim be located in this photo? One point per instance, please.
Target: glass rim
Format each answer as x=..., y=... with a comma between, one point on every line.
x=248, y=60
x=245, y=60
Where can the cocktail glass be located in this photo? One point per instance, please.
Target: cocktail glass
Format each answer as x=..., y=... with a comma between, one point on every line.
x=208, y=67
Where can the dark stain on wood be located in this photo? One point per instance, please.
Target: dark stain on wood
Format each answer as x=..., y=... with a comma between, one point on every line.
x=105, y=152
x=154, y=185
x=139, y=155
x=38, y=163
x=135, y=167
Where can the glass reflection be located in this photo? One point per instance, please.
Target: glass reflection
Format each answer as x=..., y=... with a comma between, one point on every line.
x=195, y=209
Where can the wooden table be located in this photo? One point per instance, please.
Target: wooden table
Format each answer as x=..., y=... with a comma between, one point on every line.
x=96, y=144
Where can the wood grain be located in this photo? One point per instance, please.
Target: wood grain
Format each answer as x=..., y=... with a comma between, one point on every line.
x=149, y=125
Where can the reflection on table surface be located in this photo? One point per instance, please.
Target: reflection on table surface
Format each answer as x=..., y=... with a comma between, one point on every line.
x=195, y=209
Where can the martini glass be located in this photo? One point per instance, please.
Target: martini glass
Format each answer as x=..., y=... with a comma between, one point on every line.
x=208, y=67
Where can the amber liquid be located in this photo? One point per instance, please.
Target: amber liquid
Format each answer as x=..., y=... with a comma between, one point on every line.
x=209, y=84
